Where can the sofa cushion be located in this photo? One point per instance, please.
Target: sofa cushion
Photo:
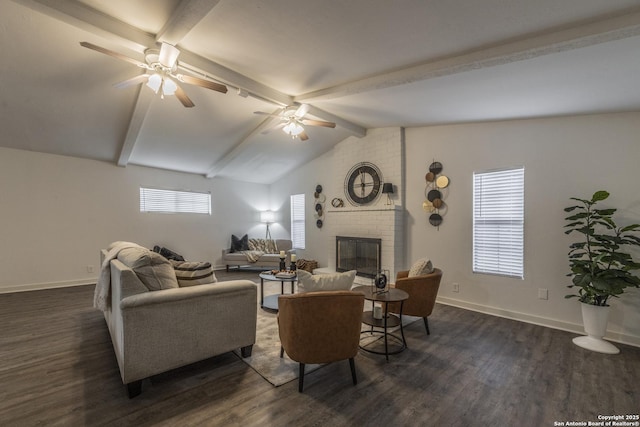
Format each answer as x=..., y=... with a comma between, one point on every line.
x=308, y=282
x=154, y=270
x=422, y=267
x=190, y=273
x=239, y=244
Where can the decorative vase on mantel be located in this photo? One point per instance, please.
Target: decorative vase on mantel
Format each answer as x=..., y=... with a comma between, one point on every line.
x=595, y=318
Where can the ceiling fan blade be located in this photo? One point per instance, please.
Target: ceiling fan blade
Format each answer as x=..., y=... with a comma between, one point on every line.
x=318, y=123
x=183, y=98
x=142, y=78
x=114, y=54
x=272, y=128
x=197, y=81
x=302, y=111
x=262, y=113
x=168, y=55
x=303, y=136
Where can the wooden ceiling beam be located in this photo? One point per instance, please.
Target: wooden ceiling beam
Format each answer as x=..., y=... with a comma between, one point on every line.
x=567, y=39
x=184, y=18
x=216, y=168
x=143, y=102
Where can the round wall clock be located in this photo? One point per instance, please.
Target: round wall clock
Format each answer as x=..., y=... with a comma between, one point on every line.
x=362, y=184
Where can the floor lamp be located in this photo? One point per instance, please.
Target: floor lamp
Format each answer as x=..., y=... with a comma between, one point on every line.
x=267, y=217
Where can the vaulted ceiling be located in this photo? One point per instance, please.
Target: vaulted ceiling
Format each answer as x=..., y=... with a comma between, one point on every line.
x=360, y=63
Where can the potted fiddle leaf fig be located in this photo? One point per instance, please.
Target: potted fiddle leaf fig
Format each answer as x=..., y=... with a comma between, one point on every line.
x=600, y=268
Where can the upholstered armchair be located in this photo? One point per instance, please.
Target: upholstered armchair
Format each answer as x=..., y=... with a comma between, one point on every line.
x=320, y=327
x=422, y=292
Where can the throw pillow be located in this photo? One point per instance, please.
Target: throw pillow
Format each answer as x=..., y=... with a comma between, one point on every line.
x=422, y=267
x=191, y=273
x=239, y=244
x=308, y=282
x=168, y=253
x=154, y=270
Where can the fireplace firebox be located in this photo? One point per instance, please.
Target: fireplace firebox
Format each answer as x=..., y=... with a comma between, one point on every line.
x=358, y=253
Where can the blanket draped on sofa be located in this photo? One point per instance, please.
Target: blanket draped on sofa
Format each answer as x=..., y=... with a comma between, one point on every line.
x=101, y=293
x=259, y=247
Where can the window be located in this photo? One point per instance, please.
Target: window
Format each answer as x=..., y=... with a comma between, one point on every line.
x=169, y=201
x=297, y=221
x=498, y=222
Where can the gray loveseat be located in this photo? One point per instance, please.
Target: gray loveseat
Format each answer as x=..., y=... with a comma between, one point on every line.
x=156, y=331
x=266, y=260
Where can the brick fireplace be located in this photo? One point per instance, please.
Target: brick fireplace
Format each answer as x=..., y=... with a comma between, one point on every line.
x=378, y=220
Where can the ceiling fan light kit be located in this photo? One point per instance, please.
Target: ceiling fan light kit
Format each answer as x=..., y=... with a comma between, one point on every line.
x=163, y=65
x=292, y=121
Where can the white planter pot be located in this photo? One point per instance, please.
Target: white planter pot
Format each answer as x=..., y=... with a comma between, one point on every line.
x=595, y=320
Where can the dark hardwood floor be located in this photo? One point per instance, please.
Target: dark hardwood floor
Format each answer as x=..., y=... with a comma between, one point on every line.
x=58, y=369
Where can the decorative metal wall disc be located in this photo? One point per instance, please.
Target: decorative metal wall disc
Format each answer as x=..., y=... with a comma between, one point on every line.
x=427, y=206
x=319, y=223
x=433, y=194
x=435, y=167
x=442, y=181
x=337, y=203
x=435, y=219
x=318, y=208
x=437, y=203
x=321, y=198
x=318, y=189
x=430, y=176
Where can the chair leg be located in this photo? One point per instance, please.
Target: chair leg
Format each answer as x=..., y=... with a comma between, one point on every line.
x=352, y=364
x=281, y=352
x=301, y=378
x=426, y=325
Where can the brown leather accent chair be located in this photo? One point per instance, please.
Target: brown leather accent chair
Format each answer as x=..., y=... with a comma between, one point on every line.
x=320, y=327
x=422, y=292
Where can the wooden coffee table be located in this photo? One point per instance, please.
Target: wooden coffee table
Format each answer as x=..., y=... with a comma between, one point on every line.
x=270, y=302
x=388, y=320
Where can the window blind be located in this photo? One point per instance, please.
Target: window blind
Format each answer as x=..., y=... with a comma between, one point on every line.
x=297, y=221
x=170, y=201
x=498, y=222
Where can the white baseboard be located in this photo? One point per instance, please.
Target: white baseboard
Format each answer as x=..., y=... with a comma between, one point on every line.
x=47, y=285
x=536, y=320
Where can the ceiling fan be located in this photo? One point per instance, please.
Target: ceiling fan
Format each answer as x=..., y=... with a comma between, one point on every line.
x=161, y=73
x=292, y=121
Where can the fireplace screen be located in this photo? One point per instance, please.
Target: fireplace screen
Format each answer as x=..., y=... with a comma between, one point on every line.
x=358, y=253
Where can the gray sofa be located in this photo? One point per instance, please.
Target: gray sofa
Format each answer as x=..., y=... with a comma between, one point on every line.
x=266, y=260
x=156, y=331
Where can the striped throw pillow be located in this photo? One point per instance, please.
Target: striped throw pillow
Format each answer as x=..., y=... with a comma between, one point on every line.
x=190, y=273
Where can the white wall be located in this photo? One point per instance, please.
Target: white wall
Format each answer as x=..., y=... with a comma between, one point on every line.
x=57, y=212
x=563, y=157
x=303, y=181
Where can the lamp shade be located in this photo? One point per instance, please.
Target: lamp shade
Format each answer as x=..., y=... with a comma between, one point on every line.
x=267, y=216
x=387, y=187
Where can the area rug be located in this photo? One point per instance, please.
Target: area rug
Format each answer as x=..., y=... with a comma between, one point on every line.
x=265, y=356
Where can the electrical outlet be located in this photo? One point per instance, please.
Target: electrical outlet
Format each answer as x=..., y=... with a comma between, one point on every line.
x=543, y=293
x=456, y=287
x=89, y=268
